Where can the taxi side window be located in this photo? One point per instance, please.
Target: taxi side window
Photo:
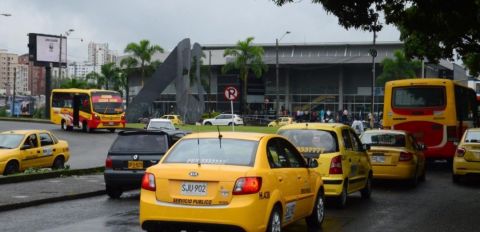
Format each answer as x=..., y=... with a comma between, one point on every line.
x=32, y=141
x=276, y=159
x=346, y=139
x=45, y=139
x=356, y=144
x=294, y=157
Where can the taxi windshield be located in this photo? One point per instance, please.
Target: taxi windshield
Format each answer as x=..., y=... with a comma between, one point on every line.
x=214, y=151
x=384, y=139
x=107, y=103
x=9, y=141
x=305, y=139
x=154, y=143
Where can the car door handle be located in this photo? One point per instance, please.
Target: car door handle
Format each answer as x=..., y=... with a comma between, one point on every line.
x=38, y=151
x=280, y=179
x=54, y=149
x=299, y=177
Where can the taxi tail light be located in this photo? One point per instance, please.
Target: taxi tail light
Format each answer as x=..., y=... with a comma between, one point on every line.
x=96, y=117
x=405, y=156
x=108, y=162
x=336, y=165
x=148, y=181
x=247, y=185
x=460, y=152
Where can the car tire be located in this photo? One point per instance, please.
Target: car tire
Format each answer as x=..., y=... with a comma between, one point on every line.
x=456, y=178
x=423, y=177
x=113, y=192
x=230, y=124
x=366, y=192
x=112, y=130
x=341, y=201
x=58, y=163
x=85, y=127
x=208, y=124
x=12, y=167
x=413, y=182
x=63, y=126
x=317, y=217
x=69, y=128
x=275, y=221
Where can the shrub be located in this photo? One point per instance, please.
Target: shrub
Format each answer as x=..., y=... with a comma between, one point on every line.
x=210, y=115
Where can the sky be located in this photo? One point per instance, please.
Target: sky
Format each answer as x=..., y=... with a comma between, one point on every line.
x=119, y=22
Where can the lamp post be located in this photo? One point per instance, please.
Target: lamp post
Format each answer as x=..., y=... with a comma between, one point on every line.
x=373, y=53
x=67, y=33
x=277, y=98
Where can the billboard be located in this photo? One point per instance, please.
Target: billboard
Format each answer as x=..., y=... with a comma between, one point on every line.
x=45, y=49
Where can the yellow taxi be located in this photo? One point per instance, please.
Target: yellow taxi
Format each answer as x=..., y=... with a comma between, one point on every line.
x=231, y=182
x=343, y=162
x=176, y=119
x=467, y=157
x=395, y=154
x=22, y=149
x=281, y=121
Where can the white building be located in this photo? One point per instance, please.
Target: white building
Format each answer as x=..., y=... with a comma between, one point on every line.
x=82, y=69
x=99, y=54
x=8, y=63
x=21, y=80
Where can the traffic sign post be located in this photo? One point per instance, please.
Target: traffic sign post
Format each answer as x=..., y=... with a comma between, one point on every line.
x=231, y=93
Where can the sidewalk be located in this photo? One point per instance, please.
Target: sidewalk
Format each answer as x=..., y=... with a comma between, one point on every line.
x=31, y=193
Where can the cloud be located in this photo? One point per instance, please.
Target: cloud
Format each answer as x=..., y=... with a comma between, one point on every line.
x=119, y=22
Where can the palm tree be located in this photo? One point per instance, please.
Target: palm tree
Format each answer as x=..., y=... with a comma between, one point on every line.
x=128, y=66
x=246, y=58
x=143, y=51
x=110, y=73
x=99, y=79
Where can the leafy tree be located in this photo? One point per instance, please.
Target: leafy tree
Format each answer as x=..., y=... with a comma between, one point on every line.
x=75, y=83
x=245, y=58
x=143, y=51
x=99, y=79
x=429, y=28
x=109, y=73
x=129, y=67
x=398, y=68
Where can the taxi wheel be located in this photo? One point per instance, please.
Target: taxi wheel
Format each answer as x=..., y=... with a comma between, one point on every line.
x=342, y=199
x=414, y=181
x=113, y=192
x=275, y=221
x=366, y=192
x=318, y=214
x=58, y=163
x=112, y=130
x=208, y=124
x=11, y=168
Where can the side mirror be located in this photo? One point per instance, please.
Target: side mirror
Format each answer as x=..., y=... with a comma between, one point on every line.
x=366, y=147
x=25, y=147
x=422, y=147
x=312, y=163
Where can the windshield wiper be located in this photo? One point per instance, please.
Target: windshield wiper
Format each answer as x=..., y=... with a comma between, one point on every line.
x=3, y=147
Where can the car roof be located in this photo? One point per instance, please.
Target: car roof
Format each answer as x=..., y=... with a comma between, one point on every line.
x=229, y=135
x=160, y=120
x=23, y=132
x=313, y=126
x=474, y=129
x=387, y=131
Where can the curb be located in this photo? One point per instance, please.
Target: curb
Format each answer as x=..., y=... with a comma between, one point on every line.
x=51, y=200
x=26, y=120
x=48, y=175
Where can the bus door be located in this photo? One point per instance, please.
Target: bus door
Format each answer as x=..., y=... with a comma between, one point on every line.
x=76, y=109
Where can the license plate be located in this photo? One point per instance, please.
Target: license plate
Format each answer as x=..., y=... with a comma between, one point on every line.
x=193, y=189
x=135, y=164
x=378, y=159
x=111, y=123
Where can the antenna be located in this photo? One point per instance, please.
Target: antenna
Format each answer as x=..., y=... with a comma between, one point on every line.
x=219, y=137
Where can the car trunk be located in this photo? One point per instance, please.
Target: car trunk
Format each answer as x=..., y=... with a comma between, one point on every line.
x=134, y=160
x=191, y=184
x=387, y=156
x=472, y=152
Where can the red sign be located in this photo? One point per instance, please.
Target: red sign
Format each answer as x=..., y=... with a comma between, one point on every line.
x=231, y=93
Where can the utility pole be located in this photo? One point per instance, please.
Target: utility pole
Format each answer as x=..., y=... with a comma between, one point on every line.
x=277, y=74
x=14, y=88
x=209, y=82
x=373, y=53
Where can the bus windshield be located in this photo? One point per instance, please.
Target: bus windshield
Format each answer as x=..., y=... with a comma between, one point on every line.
x=418, y=97
x=107, y=103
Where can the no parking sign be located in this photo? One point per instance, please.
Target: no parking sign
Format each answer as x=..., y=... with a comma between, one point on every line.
x=231, y=93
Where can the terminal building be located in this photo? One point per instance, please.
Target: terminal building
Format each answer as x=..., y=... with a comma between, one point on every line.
x=312, y=77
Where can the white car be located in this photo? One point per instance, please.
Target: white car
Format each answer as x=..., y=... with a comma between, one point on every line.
x=224, y=120
x=160, y=124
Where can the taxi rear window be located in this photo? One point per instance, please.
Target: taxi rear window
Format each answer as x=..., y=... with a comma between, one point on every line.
x=157, y=143
x=308, y=139
x=384, y=139
x=214, y=151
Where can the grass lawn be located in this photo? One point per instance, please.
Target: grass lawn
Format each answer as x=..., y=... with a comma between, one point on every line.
x=193, y=128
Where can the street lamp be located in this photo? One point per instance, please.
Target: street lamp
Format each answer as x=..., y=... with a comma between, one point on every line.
x=277, y=98
x=6, y=14
x=67, y=33
x=373, y=53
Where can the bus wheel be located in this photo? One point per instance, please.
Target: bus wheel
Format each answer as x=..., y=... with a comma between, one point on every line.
x=62, y=125
x=85, y=127
x=112, y=130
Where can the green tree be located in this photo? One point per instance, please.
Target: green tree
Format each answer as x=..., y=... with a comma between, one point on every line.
x=75, y=83
x=128, y=67
x=434, y=29
x=245, y=58
x=110, y=74
x=143, y=51
x=398, y=68
x=97, y=78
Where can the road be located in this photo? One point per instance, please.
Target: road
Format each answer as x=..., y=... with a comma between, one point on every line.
x=436, y=205
x=87, y=150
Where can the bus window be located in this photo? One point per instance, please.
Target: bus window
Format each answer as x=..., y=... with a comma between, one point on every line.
x=418, y=97
x=84, y=103
x=62, y=100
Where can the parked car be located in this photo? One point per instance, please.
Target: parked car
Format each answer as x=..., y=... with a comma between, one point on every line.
x=281, y=121
x=467, y=157
x=343, y=161
x=160, y=124
x=22, y=149
x=231, y=182
x=395, y=154
x=130, y=154
x=176, y=119
x=224, y=120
